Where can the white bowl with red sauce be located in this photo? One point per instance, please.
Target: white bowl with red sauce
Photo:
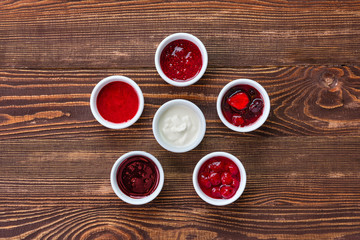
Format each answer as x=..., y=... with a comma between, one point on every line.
x=243, y=105
x=219, y=178
x=181, y=59
x=117, y=102
x=137, y=177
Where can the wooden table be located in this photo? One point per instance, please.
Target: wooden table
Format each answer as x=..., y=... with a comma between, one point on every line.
x=303, y=164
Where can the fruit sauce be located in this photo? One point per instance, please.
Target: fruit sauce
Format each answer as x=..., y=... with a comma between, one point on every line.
x=138, y=176
x=219, y=177
x=117, y=102
x=242, y=105
x=181, y=60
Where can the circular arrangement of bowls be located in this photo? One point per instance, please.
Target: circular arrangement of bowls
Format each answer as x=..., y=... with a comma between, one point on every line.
x=94, y=108
x=180, y=36
x=237, y=189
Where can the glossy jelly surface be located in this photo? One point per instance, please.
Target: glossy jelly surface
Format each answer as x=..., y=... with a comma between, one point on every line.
x=242, y=105
x=138, y=176
x=117, y=102
x=181, y=60
x=219, y=178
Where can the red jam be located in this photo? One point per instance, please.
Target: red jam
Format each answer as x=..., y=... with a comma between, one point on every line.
x=242, y=105
x=138, y=176
x=117, y=102
x=219, y=177
x=181, y=60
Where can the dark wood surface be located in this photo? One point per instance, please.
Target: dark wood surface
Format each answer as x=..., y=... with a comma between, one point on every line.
x=303, y=164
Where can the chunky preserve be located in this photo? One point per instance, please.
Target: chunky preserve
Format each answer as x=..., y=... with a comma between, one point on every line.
x=219, y=177
x=242, y=105
x=138, y=176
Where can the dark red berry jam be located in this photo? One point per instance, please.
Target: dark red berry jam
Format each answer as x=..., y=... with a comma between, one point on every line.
x=219, y=177
x=181, y=60
x=138, y=176
x=242, y=105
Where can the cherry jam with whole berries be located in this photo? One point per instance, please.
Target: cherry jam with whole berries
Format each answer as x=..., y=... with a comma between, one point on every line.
x=242, y=105
x=138, y=176
x=219, y=177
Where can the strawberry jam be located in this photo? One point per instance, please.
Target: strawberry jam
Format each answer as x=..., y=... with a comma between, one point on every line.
x=181, y=60
x=242, y=105
x=219, y=177
x=117, y=102
x=138, y=176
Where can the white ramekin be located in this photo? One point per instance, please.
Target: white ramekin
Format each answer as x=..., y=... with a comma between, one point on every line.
x=178, y=36
x=215, y=201
x=156, y=130
x=94, y=109
x=260, y=120
x=123, y=196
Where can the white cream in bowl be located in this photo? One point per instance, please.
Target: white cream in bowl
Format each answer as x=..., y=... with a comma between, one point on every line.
x=179, y=125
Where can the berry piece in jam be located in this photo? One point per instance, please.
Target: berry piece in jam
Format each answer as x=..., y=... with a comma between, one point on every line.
x=237, y=120
x=219, y=178
x=204, y=181
x=232, y=168
x=215, y=178
x=235, y=183
x=239, y=100
x=226, y=178
x=215, y=192
x=227, y=191
x=242, y=105
x=216, y=166
x=256, y=106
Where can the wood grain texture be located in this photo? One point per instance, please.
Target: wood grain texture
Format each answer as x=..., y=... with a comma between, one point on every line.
x=78, y=34
x=304, y=101
x=302, y=165
x=60, y=192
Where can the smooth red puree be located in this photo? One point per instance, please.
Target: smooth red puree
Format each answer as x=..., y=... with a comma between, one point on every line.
x=138, y=176
x=181, y=60
x=242, y=105
x=219, y=177
x=117, y=102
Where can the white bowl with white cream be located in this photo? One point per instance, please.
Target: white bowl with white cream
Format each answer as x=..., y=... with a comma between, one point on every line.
x=179, y=125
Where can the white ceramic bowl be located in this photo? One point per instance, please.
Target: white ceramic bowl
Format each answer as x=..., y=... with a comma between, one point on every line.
x=214, y=201
x=178, y=36
x=123, y=196
x=260, y=120
x=159, y=114
x=94, y=109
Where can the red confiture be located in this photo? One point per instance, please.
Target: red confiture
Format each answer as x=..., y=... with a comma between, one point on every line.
x=117, y=102
x=219, y=177
x=181, y=60
x=242, y=105
x=138, y=176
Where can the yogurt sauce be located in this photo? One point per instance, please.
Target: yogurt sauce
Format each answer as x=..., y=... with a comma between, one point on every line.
x=179, y=125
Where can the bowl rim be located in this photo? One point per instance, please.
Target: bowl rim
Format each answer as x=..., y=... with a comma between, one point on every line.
x=97, y=89
x=123, y=196
x=264, y=95
x=177, y=36
x=166, y=106
x=214, y=201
